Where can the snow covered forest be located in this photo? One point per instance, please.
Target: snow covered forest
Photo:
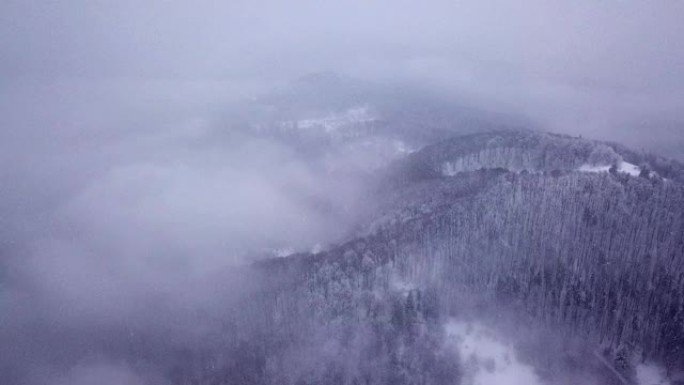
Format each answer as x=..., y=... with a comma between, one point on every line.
x=596, y=256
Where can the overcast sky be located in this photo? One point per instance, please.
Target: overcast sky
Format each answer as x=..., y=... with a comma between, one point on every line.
x=625, y=45
x=578, y=66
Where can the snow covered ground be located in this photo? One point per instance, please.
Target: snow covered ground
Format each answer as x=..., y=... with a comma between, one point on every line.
x=333, y=122
x=624, y=167
x=283, y=252
x=486, y=359
x=629, y=168
x=650, y=374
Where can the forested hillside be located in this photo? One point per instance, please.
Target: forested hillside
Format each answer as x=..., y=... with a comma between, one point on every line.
x=595, y=255
x=520, y=150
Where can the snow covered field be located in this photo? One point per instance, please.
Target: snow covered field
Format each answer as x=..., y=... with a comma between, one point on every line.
x=650, y=374
x=486, y=359
x=624, y=167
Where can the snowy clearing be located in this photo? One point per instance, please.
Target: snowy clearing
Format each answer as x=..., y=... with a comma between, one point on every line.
x=650, y=374
x=486, y=359
x=624, y=167
x=333, y=122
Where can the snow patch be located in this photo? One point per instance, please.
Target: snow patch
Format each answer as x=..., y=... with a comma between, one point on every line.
x=401, y=148
x=486, y=359
x=629, y=168
x=650, y=374
x=593, y=168
x=283, y=252
x=333, y=122
x=623, y=167
x=287, y=251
